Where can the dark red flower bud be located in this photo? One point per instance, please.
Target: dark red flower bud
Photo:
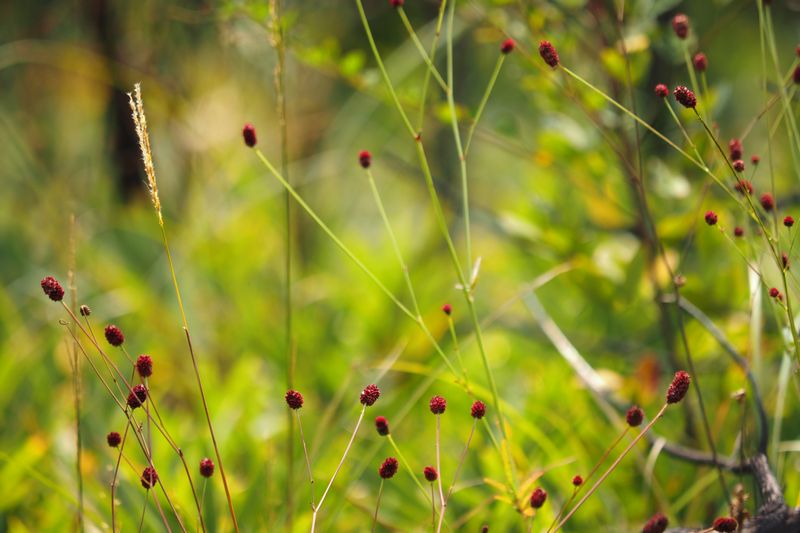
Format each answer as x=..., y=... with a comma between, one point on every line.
x=206, y=467
x=144, y=366
x=364, y=158
x=137, y=396
x=711, y=218
x=430, y=474
x=85, y=310
x=548, y=53
x=796, y=74
x=725, y=524
x=680, y=23
x=657, y=524
x=738, y=231
x=661, y=90
x=114, y=439
x=634, y=416
x=755, y=159
x=738, y=165
x=788, y=221
x=538, y=497
x=52, y=288
x=774, y=293
x=388, y=468
x=485, y=528
x=785, y=261
x=447, y=309
x=735, y=148
x=114, y=335
x=397, y=3
x=382, y=425
x=149, y=477
x=438, y=405
x=294, y=399
x=700, y=62
x=679, y=386
x=249, y=134
x=577, y=481
x=478, y=409
x=767, y=201
x=685, y=97
x=370, y=395
x=508, y=46
x=744, y=186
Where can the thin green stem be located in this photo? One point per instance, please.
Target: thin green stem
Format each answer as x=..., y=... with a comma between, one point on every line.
x=421, y=49
x=455, y=476
x=451, y=326
x=683, y=130
x=305, y=454
x=427, y=80
x=377, y=506
x=484, y=100
x=442, y=499
x=407, y=465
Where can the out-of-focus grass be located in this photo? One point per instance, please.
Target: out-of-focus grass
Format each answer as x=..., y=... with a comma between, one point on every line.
x=546, y=191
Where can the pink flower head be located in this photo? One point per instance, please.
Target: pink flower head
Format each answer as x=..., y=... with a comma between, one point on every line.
x=738, y=165
x=447, y=309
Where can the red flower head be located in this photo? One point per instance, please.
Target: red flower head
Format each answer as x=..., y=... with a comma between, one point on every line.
x=52, y=288
x=548, y=53
x=438, y=405
x=364, y=158
x=206, y=467
x=744, y=186
x=382, y=425
x=149, y=477
x=657, y=524
x=738, y=165
x=679, y=386
x=85, y=310
x=785, y=261
x=700, y=62
x=137, y=396
x=661, y=90
x=788, y=221
x=370, y=395
x=680, y=23
x=485, y=528
x=249, y=134
x=430, y=474
x=774, y=293
x=755, y=159
x=397, y=3
x=685, y=97
x=634, y=416
x=725, y=524
x=478, y=410
x=508, y=46
x=144, y=365
x=796, y=74
x=738, y=231
x=767, y=201
x=735, y=148
x=577, y=481
x=113, y=439
x=447, y=309
x=538, y=497
x=388, y=468
x=294, y=399
x=711, y=218
x=114, y=335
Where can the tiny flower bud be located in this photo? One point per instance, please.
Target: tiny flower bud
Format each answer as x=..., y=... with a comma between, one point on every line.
x=249, y=134
x=149, y=477
x=634, y=416
x=294, y=399
x=661, y=90
x=700, y=62
x=548, y=53
x=788, y=221
x=485, y=528
x=738, y=165
x=796, y=74
x=755, y=159
x=508, y=46
x=52, y=288
x=144, y=366
x=430, y=474
x=738, y=231
x=438, y=405
x=577, y=481
x=206, y=467
x=365, y=158
x=774, y=293
x=388, y=468
x=478, y=409
x=736, y=150
x=113, y=439
x=447, y=309
x=785, y=261
x=725, y=524
x=657, y=524
x=679, y=386
x=680, y=23
x=538, y=497
x=711, y=218
x=114, y=335
x=744, y=186
x=767, y=201
x=397, y=3
x=382, y=425
x=685, y=97
x=370, y=395
x=137, y=396
x=85, y=310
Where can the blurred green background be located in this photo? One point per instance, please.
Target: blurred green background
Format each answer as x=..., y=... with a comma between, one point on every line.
x=550, y=193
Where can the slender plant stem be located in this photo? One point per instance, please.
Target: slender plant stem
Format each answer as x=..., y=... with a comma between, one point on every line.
x=114, y=480
x=455, y=477
x=484, y=100
x=377, y=506
x=421, y=49
x=427, y=80
x=305, y=454
x=442, y=499
x=451, y=326
x=407, y=465
x=612, y=467
x=339, y=467
x=683, y=130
